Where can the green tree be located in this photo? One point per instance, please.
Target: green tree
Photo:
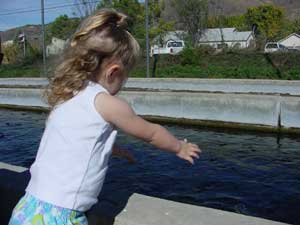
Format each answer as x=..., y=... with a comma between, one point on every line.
x=132, y=8
x=268, y=18
x=136, y=13
x=287, y=28
x=12, y=54
x=158, y=26
x=193, y=15
x=238, y=22
x=63, y=27
x=296, y=26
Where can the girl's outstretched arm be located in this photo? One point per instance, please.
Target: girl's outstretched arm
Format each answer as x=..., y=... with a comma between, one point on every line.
x=119, y=113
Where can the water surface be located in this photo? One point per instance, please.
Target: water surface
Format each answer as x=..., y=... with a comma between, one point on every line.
x=253, y=173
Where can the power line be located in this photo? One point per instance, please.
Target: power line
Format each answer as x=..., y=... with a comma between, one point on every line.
x=2, y=10
x=48, y=8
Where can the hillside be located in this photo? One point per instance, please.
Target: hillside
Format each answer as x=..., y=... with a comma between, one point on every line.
x=33, y=33
x=225, y=7
x=236, y=7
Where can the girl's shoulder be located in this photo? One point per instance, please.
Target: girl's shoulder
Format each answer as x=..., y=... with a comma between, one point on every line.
x=111, y=107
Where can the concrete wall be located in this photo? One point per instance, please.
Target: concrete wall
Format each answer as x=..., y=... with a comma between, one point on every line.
x=189, y=85
x=251, y=102
x=21, y=97
x=290, y=112
x=126, y=208
x=266, y=110
x=249, y=109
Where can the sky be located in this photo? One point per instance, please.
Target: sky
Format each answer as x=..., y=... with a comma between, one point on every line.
x=16, y=18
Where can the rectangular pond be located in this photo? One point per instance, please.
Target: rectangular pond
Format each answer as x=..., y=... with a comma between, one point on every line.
x=256, y=174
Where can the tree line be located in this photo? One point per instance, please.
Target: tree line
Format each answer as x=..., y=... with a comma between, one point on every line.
x=268, y=21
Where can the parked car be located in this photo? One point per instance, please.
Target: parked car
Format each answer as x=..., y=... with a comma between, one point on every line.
x=275, y=47
x=171, y=47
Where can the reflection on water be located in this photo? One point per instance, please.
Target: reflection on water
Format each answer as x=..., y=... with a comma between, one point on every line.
x=250, y=173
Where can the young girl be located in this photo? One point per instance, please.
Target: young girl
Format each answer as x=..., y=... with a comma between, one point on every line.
x=72, y=159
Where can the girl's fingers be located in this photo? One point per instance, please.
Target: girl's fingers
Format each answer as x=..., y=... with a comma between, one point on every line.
x=195, y=146
x=197, y=150
x=191, y=160
x=194, y=154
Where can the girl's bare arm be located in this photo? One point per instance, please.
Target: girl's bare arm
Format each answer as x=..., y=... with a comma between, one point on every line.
x=119, y=113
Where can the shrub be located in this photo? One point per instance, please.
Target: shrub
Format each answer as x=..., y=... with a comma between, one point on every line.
x=189, y=56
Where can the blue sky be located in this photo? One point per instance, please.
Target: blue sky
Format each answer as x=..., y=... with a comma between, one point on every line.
x=19, y=19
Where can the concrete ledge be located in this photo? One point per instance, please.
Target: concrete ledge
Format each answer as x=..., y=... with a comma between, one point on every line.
x=23, y=82
x=283, y=87
x=18, y=169
x=157, y=211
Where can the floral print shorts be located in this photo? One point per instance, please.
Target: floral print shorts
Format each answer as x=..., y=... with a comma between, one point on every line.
x=32, y=211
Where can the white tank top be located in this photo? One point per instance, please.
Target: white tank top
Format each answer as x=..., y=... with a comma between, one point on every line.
x=73, y=155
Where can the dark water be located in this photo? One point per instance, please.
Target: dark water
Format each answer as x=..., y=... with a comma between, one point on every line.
x=249, y=173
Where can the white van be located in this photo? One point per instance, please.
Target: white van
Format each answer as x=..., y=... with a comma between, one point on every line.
x=171, y=47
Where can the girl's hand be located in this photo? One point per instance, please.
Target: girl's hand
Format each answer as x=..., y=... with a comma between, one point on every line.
x=188, y=151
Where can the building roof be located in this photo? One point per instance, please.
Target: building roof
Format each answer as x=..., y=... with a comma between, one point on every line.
x=210, y=35
x=229, y=34
x=293, y=34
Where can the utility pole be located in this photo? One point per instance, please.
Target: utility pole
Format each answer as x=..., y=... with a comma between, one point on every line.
x=43, y=37
x=147, y=38
x=1, y=54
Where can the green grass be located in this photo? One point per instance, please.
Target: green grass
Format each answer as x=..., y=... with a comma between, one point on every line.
x=239, y=65
x=19, y=71
x=236, y=65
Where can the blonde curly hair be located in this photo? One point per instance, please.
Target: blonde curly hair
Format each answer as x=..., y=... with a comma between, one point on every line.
x=102, y=35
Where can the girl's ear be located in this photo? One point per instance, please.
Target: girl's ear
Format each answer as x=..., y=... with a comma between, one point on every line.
x=112, y=72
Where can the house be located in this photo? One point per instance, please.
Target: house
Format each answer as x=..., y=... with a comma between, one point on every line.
x=292, y=41
x=7, y=43
x=230, y=37
x=214, y=37
x=56, y=47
